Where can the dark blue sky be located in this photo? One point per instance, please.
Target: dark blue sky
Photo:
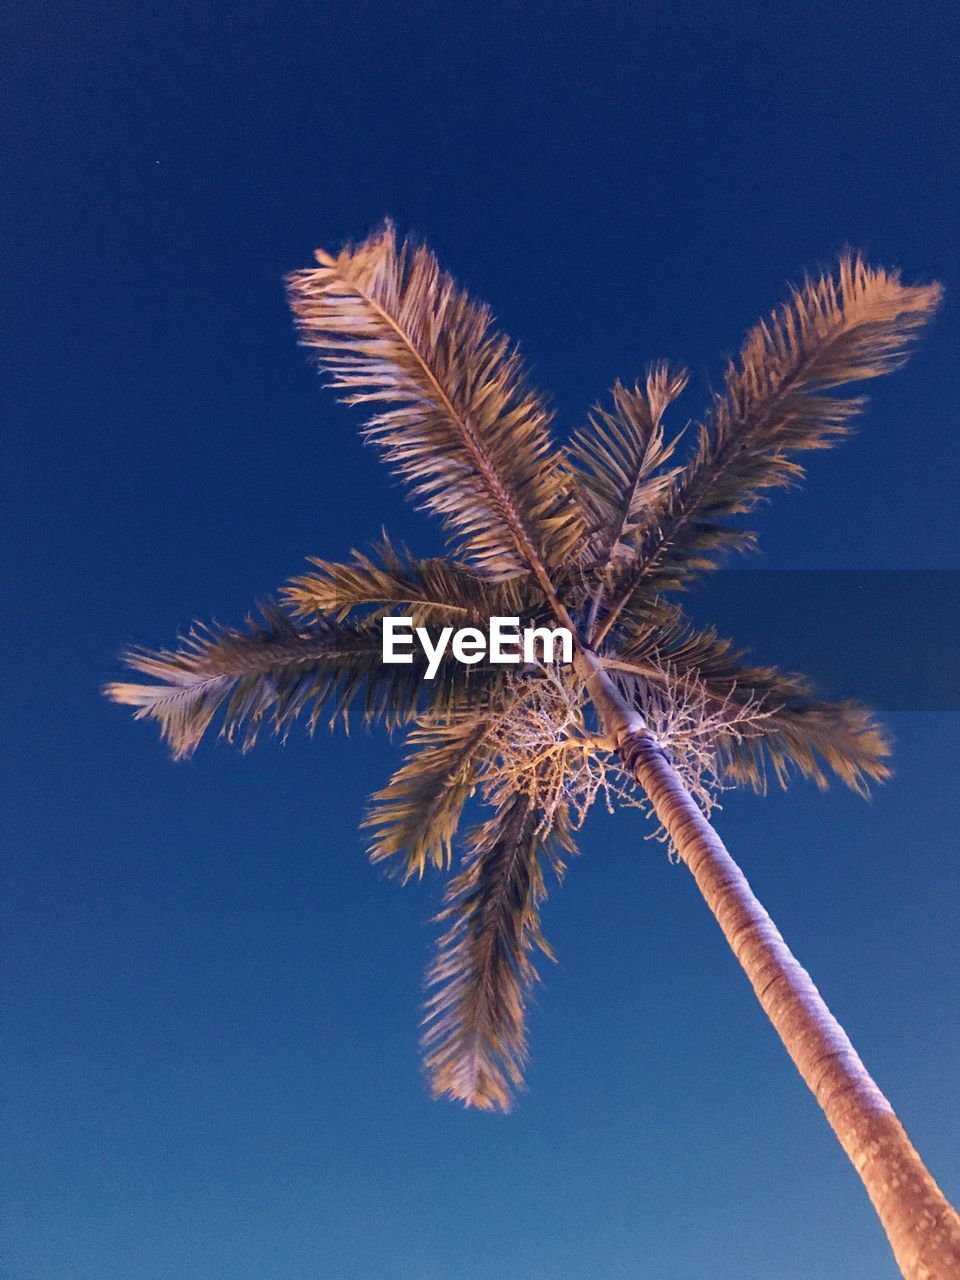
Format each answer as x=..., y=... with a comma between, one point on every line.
x=208, y=1022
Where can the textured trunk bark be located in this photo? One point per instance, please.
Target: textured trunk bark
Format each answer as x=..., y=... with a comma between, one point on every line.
x=921, y=1225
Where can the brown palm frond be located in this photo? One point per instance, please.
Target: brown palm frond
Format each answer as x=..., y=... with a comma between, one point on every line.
x=452, y=412
x=416, y=815
x=779, y=400
x=431, y=591
x=805, y=734
x=619, y=463
x=791, y=729
x=475, y=1040
x=273, y=671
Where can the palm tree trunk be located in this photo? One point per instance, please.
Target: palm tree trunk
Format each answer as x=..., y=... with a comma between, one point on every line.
x=922, y=1227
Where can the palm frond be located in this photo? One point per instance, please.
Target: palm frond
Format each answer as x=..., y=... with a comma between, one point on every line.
x=619, y=463
x=416, y=815
x=452, y=412
x=475, y=1040
x=272, y=672
x=779, y=400
x=793, y=730
x=805, y=734
x=432, y=591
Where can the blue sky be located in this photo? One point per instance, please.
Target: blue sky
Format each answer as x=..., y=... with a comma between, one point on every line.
x=208, y=1015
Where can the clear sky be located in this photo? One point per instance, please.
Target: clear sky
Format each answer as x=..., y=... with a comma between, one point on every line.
x=209, y=1004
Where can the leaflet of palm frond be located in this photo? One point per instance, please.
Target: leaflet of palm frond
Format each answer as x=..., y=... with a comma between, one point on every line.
x=806, y=735
x=792, y=728
x=619, y=464
x=431, y=591
x=272, y=672
x=703, y=542
x=779, y=400
x=475, y=1041
x=415, y=817
x=661, y=636
x=452, y=411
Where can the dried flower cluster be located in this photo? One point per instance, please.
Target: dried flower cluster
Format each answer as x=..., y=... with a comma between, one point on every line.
x=549, y=750
x=698, y=730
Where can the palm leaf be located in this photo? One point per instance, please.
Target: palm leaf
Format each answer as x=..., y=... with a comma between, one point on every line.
x=805, y=734
x=619, y=463
x=452, y=412
x=417, y=814
x=273, y=671
x=476, y=1040
x=431, y=591
x=793, y=729
x=778, y=400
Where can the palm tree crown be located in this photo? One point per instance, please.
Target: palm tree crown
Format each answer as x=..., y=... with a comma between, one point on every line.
x=596, y=534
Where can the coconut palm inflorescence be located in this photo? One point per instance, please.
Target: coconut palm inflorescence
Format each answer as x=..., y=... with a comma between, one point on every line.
x=595, y=536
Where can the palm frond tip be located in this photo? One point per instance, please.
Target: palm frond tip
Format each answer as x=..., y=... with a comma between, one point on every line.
x=272, y=672
x=451, y=409
x=619, y=463
x=475, y=1041
x=779, y=400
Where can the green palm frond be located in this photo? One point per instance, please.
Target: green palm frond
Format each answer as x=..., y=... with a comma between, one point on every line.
x=793, y=730
x=619, y=463
x=475, y=1040
x=432, y=591
x=452, y=412
x=416, y=816
x=272, y=672
x=779, y=400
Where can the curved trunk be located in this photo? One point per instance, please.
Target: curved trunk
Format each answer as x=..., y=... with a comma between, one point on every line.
x=922, y=1227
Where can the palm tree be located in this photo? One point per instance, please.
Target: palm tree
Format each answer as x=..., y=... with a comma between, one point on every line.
x=596, y=537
